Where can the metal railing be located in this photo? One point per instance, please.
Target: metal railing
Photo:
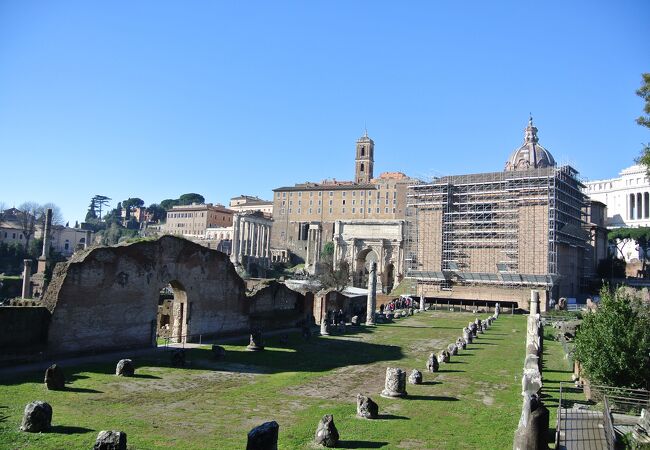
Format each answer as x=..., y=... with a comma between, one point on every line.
x=622, y=400
x=182, y=339
x=608, y=425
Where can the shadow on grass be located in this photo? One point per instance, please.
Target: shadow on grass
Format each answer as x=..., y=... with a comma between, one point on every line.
x=392, y=417
x=361, y=444
x=82, y=390
x=65, y=429
x=145, y=376
x=482, y=343
x=456, y=362
x=430, y=383
x=3, y=418
x=431, y=397
x=317, y=354
x=449, y=371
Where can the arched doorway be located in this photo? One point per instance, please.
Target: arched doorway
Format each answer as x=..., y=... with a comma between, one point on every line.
x=388, y=278
x=173, y=313
x=362, y=267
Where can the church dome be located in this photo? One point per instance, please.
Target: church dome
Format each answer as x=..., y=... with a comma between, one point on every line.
x=530, y=155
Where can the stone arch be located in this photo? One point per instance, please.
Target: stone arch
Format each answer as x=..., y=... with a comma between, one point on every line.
x=388, y=278
x=180, y=331
x=107, y=298
x=362, y=266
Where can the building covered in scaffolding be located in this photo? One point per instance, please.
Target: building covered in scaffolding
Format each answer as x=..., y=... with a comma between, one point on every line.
x=494, y=236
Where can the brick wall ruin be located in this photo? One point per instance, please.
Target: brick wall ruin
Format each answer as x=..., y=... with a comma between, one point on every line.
x=107, y=297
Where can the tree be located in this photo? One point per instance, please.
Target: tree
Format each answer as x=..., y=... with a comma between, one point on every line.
x=644, y=93
x=91, y=215
x=640, y=235
x=168, y=203
x=644, y=120
x=131, y=203
x=331, y=278
x=57, y=216
x=99, y=202
x=188, y=199
x=28, y=217
x=613, y=343
x=157, y=212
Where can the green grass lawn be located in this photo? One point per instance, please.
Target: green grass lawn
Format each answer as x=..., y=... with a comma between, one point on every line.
x=473, y=402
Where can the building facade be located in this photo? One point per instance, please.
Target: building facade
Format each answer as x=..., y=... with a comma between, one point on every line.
x=193, y=220
x=495, y=236
x=627, y=197
x=305, y=215
x=245, y=203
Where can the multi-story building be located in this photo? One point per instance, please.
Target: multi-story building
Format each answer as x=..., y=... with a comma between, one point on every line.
x=305, y=214
x=627, y=197
x=193, y=220
x=63, y=239
x=495, y=236
x=245, y=203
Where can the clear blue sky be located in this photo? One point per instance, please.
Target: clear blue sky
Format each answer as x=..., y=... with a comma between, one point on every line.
x=153, y=99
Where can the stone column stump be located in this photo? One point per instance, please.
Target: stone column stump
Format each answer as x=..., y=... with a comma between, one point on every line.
x=395, y=386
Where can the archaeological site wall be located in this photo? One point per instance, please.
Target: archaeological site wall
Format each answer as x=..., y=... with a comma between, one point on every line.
x=107, y=297
x=23, y=327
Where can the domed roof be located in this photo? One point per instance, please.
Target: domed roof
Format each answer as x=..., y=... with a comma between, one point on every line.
x=530, y=155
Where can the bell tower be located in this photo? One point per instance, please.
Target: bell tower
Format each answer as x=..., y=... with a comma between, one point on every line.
x=364, y=160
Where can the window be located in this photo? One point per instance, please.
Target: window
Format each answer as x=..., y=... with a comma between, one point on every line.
x=352, y=210
x=299, y=210
x=369, y=210
x=344, y=194
x=362, y=202
x=303, y=231
x=369, y=193
x=320, y=193
x=299, y=194
x=354, y=202
x=21, y=237
x=393, y=210
x=377, y=210
x=344, y=201
x=311, y=194
x=311, y=203
x=361, y=168
x=318, y=210
x=320, y=202
x=362, y=193
x=387, y=201
x=387, y=210
x=354, y=193
x=342, y=210
x=309, y=210
x=299, y=202
x=330, y=210
x=284, y=194
x=291, y=202
x=332, y=193
x=290, y=210
x=363, y=151
x=330, y=202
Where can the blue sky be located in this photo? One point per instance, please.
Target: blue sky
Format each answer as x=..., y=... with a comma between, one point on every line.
x=158, y=98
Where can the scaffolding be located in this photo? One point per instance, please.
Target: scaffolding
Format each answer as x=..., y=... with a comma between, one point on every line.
x=500, y=228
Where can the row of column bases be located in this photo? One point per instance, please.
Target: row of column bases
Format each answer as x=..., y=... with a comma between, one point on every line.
x=250, y=239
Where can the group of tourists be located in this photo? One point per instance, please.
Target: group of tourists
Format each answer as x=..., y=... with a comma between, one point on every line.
x=403, y=302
